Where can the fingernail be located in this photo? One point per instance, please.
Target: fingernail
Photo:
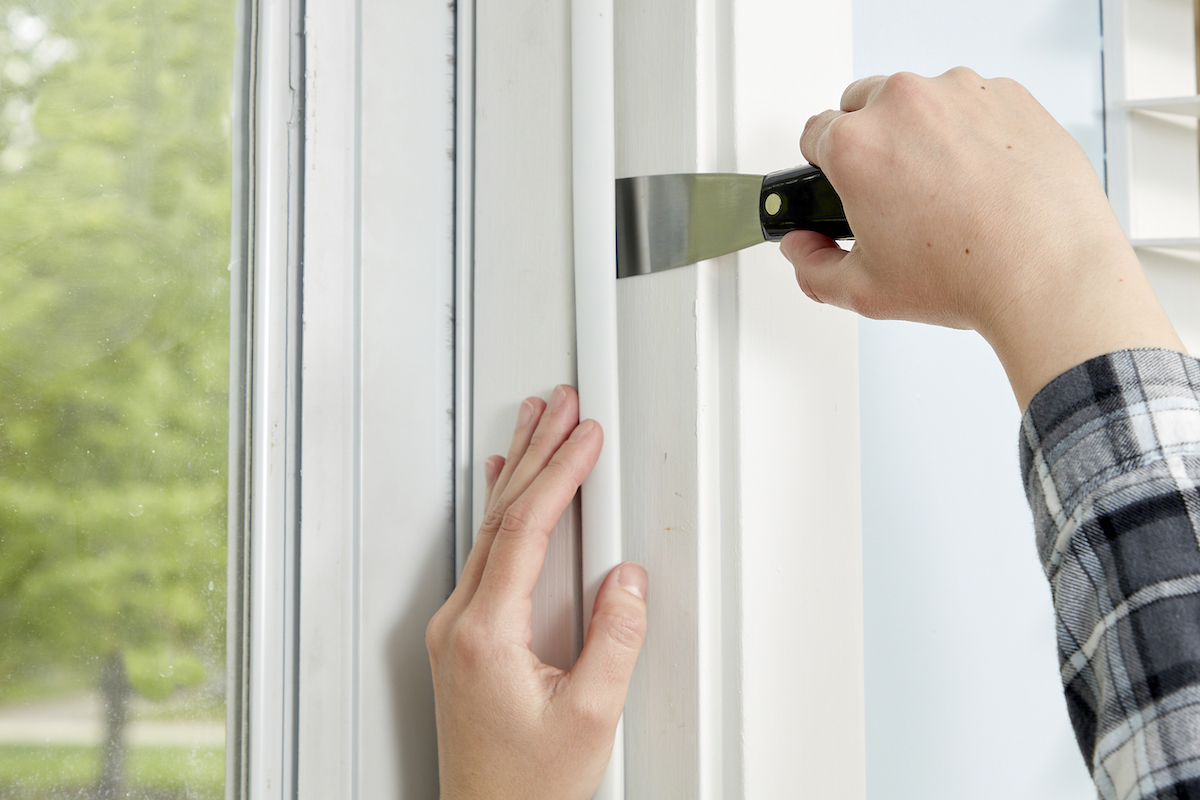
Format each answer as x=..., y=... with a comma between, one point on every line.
x=633, y=579
x=556, y=399
x=581, y=430
x=490, y=470
x=525, y=415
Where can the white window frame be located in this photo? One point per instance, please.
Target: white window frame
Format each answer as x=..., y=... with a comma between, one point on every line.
x=347, y=537
x=393, y=327
x=1153, y=166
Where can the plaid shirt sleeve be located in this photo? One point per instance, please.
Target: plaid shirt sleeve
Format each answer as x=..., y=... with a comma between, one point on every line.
x=1110, y=451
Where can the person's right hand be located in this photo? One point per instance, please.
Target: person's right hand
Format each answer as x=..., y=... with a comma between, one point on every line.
x=972, y=208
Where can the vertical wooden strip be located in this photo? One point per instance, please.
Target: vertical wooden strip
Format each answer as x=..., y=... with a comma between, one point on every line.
x=407, y=385
x=594, y=199
x=330, y=489
x=799, y=448
x=524, y=292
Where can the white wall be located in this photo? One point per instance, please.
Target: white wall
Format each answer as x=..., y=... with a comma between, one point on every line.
x=962, y=691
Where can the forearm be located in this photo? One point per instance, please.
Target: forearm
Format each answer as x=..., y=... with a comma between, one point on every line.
x=1111, y=456
x=1102, y=304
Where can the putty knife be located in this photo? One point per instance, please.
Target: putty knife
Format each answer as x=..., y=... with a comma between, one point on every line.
x=666, y=221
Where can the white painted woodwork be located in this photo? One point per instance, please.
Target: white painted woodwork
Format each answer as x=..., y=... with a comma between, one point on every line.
x=524, y=301
x=464, y=281
x=798, y=433
x=674, y=710
x=717, y=369
x=376, y=555
x=1154, y=156
x=1153, y=171
x=593, y=196
x=739, y=431
x=406, y=398
x=272, y=453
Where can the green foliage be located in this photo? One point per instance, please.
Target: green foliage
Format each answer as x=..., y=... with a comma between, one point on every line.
x=114, y=252
x=29, y=772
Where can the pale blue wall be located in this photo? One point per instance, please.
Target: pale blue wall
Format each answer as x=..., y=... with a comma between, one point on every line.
x=963, y=698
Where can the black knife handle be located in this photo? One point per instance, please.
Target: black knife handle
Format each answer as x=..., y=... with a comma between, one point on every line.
x=801, y=199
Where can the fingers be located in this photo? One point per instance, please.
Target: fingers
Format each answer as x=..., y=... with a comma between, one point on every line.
x=523, y=532
x=861, y=92
x=538, y=443
x=813, y=137
x=600, y=678
x=818, y=262
x=540, y=428
x=528, y=418
x=491, y=471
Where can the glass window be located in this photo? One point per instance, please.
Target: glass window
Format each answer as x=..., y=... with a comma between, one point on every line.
x=114, y=374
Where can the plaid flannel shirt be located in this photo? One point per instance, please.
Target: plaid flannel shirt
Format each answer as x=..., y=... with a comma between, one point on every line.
x=1110, y=451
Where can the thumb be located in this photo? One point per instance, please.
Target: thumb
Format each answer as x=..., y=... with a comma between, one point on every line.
x=816, y=259
x=614, y=639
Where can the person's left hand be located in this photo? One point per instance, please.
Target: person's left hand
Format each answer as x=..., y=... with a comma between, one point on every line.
x=508, y=725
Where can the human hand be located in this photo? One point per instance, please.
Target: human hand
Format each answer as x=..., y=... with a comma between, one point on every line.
x=508, y=725
x=972, y=208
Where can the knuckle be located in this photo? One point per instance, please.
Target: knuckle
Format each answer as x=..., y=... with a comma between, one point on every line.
x=543, y=439
x=627, y=630
x=435, y=634
x=558, y=471
x=845, y=139
x=904, y=85
x=962, y=73
x=806, y=285
x=493, y=518
x=467, y=640
x=591, y=715
x=863, y=299
x=519, y=518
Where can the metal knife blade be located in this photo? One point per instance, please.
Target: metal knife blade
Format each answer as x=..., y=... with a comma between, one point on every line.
x=667, y=221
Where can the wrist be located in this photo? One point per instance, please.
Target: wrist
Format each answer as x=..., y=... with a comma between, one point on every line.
x=1100, y=307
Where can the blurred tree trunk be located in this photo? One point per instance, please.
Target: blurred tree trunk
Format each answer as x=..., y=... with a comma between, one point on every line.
x=115, y=690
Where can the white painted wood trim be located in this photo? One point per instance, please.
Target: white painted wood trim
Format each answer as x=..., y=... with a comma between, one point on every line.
x=377, y=490
x=274, y=357
x=1186, y=106
x=709, y=355
x=1151, y=107
x=406, y=398
x=594, y=210
x=523, y=290
x=1153, y=163
x=331, y=426
x=798, y=445
x=464, y=279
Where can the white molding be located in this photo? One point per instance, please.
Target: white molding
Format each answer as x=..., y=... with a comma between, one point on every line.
x=331, y=423
x=712, y=357
x=1188, y=106
x=798, y=440
x=274, y=411
x=593, y=182
x=1153, y=169
x=464, y=279
x=377, y=490
x=407, y=391
x=524, y=296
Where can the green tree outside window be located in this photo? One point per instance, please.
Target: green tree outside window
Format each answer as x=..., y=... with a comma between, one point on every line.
x=114, y=338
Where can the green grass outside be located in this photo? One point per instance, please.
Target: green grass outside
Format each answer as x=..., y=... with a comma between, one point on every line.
x=32, y=772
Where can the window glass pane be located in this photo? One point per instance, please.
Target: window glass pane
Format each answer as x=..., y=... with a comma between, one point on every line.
x=114, y=341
